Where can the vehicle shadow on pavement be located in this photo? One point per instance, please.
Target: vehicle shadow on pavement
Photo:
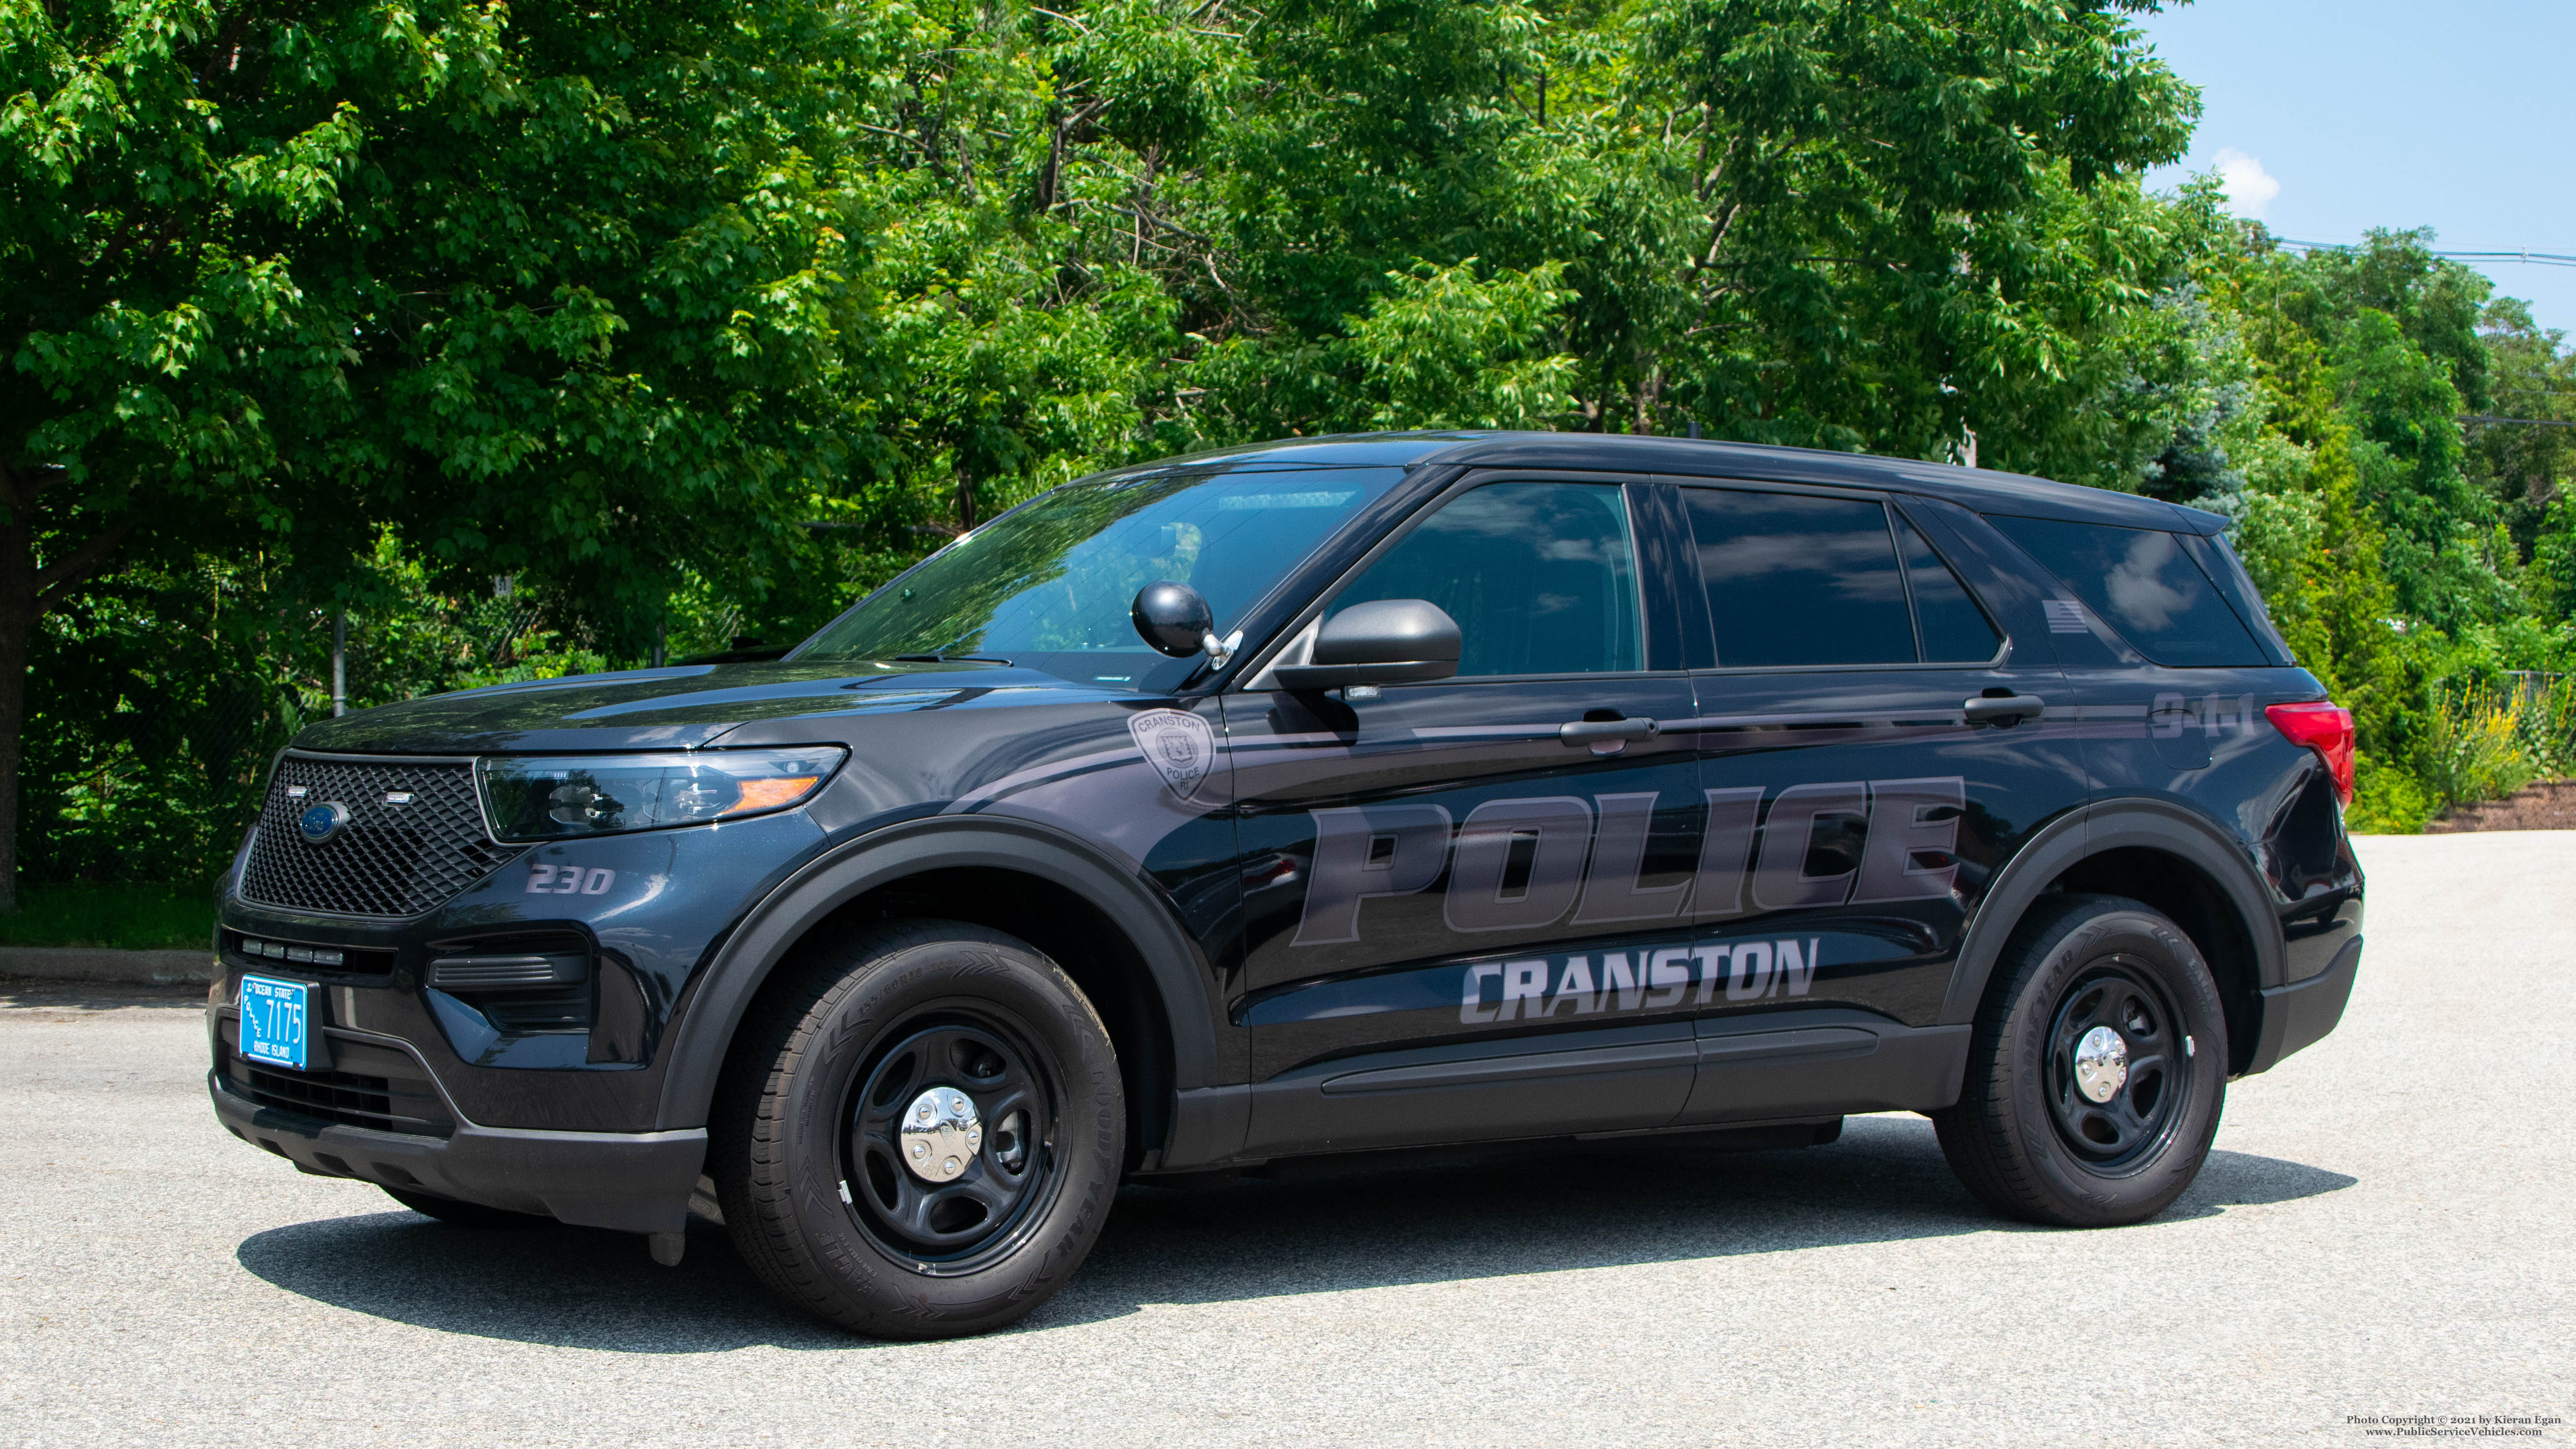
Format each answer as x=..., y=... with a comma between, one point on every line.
x=571, y=1287
x=1600, y=1205
x=1612, y=1204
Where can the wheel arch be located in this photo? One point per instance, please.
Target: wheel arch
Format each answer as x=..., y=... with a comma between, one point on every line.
x=1106, y=927
x=2151, y=851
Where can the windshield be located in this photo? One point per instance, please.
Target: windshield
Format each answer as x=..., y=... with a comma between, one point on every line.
x=1048, y=585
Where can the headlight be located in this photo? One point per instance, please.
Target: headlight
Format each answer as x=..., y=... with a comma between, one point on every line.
x=549, y=797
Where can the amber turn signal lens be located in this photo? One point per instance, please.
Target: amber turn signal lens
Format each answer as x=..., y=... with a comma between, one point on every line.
x=772, y=793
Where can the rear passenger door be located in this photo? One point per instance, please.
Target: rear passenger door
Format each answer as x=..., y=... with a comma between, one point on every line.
x=1855, y=810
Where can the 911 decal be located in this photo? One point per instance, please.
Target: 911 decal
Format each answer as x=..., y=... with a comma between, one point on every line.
x=565, y=880
x=2218, y=714
x=1585, y=857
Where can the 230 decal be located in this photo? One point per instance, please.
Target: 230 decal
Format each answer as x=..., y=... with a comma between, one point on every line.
x=565, y=880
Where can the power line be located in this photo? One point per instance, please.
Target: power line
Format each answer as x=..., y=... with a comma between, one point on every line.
x=2540, y=259
x=2519, y=422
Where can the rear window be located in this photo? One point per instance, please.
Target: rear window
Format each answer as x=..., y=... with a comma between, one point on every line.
x=2143, y=583
x=1954, y=629
x=1797, y=579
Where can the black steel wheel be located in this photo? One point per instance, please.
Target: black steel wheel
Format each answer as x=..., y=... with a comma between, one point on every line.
x=919, y=1132
x=951, y=1137
x=2097, y=1069
x=2115, y=1089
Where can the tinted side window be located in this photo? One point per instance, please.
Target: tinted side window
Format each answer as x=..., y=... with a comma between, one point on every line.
x=1954, y=629
x=2143, y=583
x=1541, y=577
x=1796, y=579
x=2225, y=569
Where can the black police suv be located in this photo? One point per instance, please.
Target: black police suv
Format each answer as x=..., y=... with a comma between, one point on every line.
x=1348, y=794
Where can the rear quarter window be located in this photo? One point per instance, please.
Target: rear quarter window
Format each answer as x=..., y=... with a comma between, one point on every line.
x=2144, y=583
x=2220, y=562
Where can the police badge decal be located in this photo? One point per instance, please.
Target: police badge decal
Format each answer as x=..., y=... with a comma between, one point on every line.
x=1178, y=744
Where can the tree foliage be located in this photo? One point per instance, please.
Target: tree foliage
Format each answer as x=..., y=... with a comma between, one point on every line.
x=529, y=336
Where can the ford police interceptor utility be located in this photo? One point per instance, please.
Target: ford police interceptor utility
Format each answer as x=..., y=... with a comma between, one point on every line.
x=1353, y=794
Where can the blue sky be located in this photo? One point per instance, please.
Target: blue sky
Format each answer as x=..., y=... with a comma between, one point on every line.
x=2331, y=118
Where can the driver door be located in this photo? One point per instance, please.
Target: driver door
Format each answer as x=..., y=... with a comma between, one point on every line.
x=1453, y=901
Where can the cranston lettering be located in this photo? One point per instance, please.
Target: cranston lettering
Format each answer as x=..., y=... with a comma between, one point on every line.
x=1585, y=857
x=1652, y=979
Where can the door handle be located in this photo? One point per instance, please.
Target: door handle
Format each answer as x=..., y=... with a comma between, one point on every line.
x=2003, y=712
x=1598, y=731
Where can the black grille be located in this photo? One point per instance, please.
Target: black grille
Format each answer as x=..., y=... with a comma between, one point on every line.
x=367, y=1086
x=343, y=1097
x=394, y=858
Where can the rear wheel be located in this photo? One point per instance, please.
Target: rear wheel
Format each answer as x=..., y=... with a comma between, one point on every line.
x=2097, y=1070
x=921, y=1137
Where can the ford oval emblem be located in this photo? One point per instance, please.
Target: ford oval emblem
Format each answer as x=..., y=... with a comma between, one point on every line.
x=322, y=821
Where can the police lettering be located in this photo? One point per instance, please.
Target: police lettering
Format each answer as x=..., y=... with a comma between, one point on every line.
x=1585, y=858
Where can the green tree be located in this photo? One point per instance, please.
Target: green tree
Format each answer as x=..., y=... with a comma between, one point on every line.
x=169, y=371
x=570, y=295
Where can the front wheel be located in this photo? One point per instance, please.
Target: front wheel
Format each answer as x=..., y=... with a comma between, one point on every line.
x=920, y=1137
x=2096, y=1071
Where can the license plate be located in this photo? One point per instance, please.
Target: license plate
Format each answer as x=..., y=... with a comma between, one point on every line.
x=274, y=1021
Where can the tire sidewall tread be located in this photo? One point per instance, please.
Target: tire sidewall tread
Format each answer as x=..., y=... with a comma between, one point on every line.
x=2000, y=1137
x=778, y=1131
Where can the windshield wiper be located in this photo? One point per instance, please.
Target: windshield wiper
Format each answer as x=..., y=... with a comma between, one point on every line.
x=948, y=659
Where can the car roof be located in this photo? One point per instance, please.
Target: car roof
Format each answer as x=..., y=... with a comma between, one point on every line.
x=1984, y=490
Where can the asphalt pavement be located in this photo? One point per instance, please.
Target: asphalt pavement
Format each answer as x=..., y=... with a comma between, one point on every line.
x=2384, y=1230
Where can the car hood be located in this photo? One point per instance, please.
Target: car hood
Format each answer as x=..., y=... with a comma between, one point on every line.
x=684, y=707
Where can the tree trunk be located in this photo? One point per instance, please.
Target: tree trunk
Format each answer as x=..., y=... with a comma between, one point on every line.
x=18, y=615
x=27, y=590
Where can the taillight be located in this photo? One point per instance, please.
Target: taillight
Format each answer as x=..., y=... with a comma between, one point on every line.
x=2324, y=728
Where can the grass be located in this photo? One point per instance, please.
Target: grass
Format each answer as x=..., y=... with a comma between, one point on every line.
x=124, y=917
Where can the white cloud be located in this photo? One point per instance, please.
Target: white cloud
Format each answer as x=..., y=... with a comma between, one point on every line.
x=2250, y=188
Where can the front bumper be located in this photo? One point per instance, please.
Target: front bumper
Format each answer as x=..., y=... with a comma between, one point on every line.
x=590, y=1057
x=635, y=1181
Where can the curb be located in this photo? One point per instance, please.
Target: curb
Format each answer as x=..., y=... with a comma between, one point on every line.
x=2540, y=805
x=87, y=963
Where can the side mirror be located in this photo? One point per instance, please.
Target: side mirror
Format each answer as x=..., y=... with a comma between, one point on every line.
x=1176, y=620
x=1388, y=641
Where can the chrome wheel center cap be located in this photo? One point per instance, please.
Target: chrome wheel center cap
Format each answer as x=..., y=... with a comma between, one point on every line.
x=2101, y=1064
x=941, y=1134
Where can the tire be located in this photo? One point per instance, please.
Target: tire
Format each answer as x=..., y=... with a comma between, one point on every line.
x=464, y=1214
x=2030, y=1136
x=820, y=1107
